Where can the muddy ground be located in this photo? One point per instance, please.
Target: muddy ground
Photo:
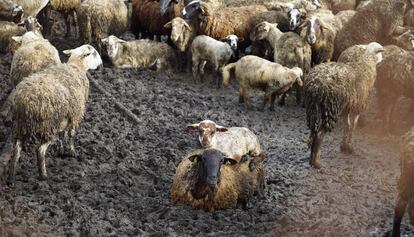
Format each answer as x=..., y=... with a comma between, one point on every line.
x=120, y=182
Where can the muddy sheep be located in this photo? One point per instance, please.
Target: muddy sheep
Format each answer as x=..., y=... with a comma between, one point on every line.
x=405, y=183
x=10, y=11
x=209, y=180
x=255, y=72
x=100, y=18
x=140, y=54
x=50, y=102
x=205, y=49
x=34, y=54
x=232, y=141
x=395, y=79
x=223, y=22
x=375, y=22
x=182, y=35
x=290, y=50
x=339, y=89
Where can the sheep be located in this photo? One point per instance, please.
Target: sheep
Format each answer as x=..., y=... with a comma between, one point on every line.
x=233, y=141
x=100, y=18
x=273, y=78
x=35, y=54
x=7, y=31
x=339, y=89
x=49, y=102
x=31, y=7
x=279, y=17
x=290, y=50
x=10, y=11
x=405, y=183
x=210, y=180
x=67, y=8
x=182, y=35
x=223, y=22
x=395, y=79
x=409, y=18
x=375, y=22
x=308, y=5
x=206, y=49
x=140, y=54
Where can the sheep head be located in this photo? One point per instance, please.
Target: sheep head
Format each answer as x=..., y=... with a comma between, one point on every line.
x=376, y=50
x=180, y=32
x=206, y=130
x=296, y=16
x=261, y=31
x=195, y=8
x=232, y=41
x=405, y=40
x=112, y=45
x=315, y=28
x=209, y=172
x=31, y=24
x=296, y=74
x=86, y=54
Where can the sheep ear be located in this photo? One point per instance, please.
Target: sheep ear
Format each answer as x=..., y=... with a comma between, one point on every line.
x=193, y=126
x=195, y=158
x=229, y=161
x=221, y=128
x=67, y=52
x=303, y=13
x=240, y=39
x=18, y=39
x=104, y=40
x=168, y=25
x=187, y=26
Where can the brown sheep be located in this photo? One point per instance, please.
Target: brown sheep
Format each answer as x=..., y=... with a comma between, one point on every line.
x=207, y=179
x=223, y=22
x=7, y=31
x=339, y=5
x=375, y=22
x=342, y=89
x=50, y=102
x=405, y=184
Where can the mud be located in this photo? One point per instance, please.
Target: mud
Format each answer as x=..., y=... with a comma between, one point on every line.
x=120, y=182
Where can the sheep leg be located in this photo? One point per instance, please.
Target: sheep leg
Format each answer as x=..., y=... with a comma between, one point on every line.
x=201, y=68
x=354, y=122
x=272, y=101
x=218, y=70
x=72, y=151
x=398, y=215
x=62, y=140
x=266, y=99
x=299, y=95
x=76, y=24
x=316, y=148
x=345, y=138
x=41, y=160
x=282, y=100
x=244, y=93
x=196, y=65
x=13, y=163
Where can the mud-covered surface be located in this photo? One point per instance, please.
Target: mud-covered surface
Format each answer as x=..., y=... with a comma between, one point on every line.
x=120, y=182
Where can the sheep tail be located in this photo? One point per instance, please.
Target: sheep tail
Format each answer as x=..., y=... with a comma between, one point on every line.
x=226, y=73
x=323, y=107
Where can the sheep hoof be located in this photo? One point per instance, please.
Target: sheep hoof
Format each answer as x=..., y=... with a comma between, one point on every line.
x=43, y=177
x=272, y=108
x=316, y=165
x=347, y=149
x=10, y=182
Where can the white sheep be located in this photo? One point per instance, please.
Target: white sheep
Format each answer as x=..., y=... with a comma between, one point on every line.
x=233, y=141
x=252, y=71
x=50, y=102
x=206, y=49
x=140, y=54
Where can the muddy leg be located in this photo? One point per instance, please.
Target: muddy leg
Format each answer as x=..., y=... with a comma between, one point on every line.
x=201, y=66
x=266, y=99
x=282, y=101
x=196, y=65
x=346, y=133
x=354, y=123
x=398, y=215
x=72, y=151
x=13, y=163
x=272, y=102
x=41, y=160
x=299, y=93
x=316, y=148
x=62, y=141
x=245, y=95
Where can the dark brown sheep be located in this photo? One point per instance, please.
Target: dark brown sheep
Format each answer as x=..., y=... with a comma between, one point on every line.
x=375, y=22
x=342, y=89
x=207, y=179
x=10, y=11
x=405, y=184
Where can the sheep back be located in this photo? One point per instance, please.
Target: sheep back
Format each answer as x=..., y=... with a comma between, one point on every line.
x=292, y=51
x=64, y=5
x=279, y=17
x=31, y=58
x=49, y=101
x=375, y=22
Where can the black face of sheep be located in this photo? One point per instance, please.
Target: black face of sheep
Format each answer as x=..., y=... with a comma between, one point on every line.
x=192, y=9
x=209, y=164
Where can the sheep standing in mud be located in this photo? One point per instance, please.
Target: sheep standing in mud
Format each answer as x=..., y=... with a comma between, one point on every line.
x=376, y=22
x=140, y=54
x=339, y=89
x=233, y=141
x=208, y=179
x=100, y=18
x=67, y=8
x=405, y=184
x=273, y=78
x=290, y=50
x=50, y=102
x=206, y=49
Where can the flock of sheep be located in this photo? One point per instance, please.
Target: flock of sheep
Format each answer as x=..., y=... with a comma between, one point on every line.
x=333, y=53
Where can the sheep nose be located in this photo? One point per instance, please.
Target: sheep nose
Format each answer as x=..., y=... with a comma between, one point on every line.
x=311, y=39
x=212, y=180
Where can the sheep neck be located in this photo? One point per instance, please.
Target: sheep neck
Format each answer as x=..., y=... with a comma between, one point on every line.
x=274, y=35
